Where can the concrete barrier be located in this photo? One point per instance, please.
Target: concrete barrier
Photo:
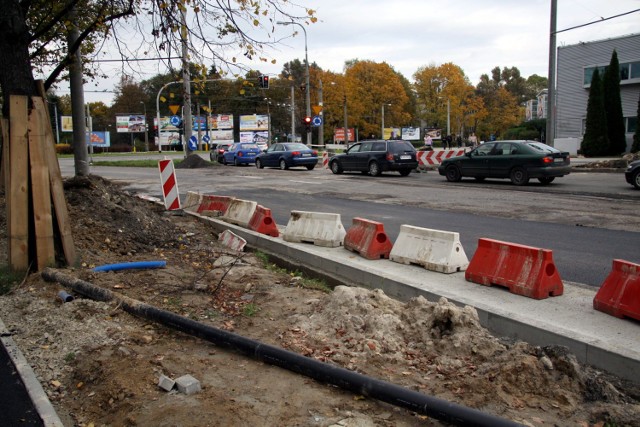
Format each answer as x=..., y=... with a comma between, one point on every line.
x=619, y=294
x=192, y=202
x=524, y=270
x=263, y=222
x=232, y=240
x=435, y=250
x=321, y=229
x=212, y=205
x=368, y=238
x=240, y=212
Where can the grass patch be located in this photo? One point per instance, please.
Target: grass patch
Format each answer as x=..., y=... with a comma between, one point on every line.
x=306, y=282
x=250, y=310
x=9, y=280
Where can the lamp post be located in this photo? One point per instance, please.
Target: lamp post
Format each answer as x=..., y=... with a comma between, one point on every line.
x=306, y=62
x=382, y=133
x=146, y=133
x=448, y=114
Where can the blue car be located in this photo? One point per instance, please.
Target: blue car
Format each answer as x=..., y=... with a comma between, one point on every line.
x=286, y=155
x=241, y=153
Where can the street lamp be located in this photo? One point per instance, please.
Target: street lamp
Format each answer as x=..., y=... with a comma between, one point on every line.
x=306, y=62
x=146, y=133
x=448, y=115
x=382, y=134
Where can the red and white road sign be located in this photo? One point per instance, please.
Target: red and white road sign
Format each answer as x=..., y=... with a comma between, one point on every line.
x=169, y=184
x=436, y=157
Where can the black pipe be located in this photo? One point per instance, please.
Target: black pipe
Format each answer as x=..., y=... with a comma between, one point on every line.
x=381, y=390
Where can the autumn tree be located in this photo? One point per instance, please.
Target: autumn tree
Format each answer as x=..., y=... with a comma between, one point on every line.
x=446, y=86
x=595, y=141
x=613, y=107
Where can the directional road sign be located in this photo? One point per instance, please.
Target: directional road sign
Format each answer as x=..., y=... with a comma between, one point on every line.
x=316, y=121
x=193, y=143
x=175, y=120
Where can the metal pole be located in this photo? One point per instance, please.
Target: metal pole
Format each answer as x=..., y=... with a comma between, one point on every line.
x=346, y=128
x=448, y=116
x=551, y=92
x=146, y=129
x=382, y=133
x=187, y=121
x=293, y=115
x=55, y=113
x=320, y=103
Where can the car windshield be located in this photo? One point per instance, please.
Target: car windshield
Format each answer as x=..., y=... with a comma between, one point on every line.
x=397, y=147
x=543, y=148
x=294, y=147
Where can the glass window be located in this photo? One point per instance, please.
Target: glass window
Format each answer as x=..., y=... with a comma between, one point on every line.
x=543, y=148
x=366, y=146
x=588, y=74
x=632, y=124
x=355, y=148
x=398, y=147
x=379, y=146
x=634, y=73
x=624, y=71
x=484, y=149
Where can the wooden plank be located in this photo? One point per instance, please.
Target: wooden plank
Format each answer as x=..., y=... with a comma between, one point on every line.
x=4, y=167
x=40, y=194
x=57, y=191
x=18, y=195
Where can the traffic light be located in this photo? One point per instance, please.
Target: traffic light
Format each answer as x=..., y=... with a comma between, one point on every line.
x=264, y=82
x=307, y=123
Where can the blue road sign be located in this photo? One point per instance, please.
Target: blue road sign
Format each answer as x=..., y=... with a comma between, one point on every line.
x=206, y=138
x=316, y=121
x=175, y=120
x=193, y=143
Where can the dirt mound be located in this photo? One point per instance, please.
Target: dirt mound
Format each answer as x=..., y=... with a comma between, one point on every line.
x=193, y=161
x=611, y=164
x=100, y=365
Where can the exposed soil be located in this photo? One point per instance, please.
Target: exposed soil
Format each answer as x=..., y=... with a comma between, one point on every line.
x=100, y=365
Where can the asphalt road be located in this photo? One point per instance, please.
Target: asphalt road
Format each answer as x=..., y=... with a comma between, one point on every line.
x=586, y=219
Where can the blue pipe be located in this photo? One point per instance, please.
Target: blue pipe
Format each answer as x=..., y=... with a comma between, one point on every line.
x=131, y=265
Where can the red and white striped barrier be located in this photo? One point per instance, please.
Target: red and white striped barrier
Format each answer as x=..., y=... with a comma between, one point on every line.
x=325, y=160
x=169, y=184
x=426, y=158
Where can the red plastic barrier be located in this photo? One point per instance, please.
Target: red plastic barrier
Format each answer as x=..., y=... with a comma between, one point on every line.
x=368, y=238
x=525, y=270
x=263, y=222
x=619, y=294
x=214, y=203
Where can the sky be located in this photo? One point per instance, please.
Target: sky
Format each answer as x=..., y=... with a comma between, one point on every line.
x=476, y=35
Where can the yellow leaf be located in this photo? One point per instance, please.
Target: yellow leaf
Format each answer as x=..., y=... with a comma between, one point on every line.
x=256, y=22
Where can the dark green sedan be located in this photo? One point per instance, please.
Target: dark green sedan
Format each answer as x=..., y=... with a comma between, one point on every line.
x=518, y=161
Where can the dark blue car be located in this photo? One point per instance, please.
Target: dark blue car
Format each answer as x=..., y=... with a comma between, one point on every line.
x=286, y=155
x=241, y=153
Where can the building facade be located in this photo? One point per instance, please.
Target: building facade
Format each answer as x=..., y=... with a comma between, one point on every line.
x=575, y=67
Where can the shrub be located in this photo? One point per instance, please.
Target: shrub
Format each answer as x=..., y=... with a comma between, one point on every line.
x=64, y=149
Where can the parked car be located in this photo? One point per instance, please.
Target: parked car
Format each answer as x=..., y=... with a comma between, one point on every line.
x=632, y=174
x=375, y=157
x=240, y=153
x=516, y=160
x=285, y=155
x=217, y=151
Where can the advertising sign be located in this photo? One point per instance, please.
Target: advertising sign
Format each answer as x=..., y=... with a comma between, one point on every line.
x=99, y=139
x=66, y=124
x=259, y=136
x=411, y=134
x=391, y=133
x=130, y=124
x=436, y=133
x=254, y=122
x=339, y=134
x=221, y=135
x=221, y=121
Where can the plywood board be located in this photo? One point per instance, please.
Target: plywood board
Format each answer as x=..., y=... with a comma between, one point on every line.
x=18, y=194
x=40, y=194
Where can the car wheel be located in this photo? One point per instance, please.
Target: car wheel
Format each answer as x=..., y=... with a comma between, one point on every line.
x=405, y=172
x=310, y=167
x=335, y=167
x=635, y=179
x=374, y=169
x=283, y=165
x=545, y=180
x=453, y=174
x=224, y=161
x=259, y=164
x=519, y=176
x=211, y=157
x=236, y=162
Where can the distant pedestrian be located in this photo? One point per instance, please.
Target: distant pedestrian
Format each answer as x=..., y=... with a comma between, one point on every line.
x=428, y=142
x=473, y=139
x=459, y=141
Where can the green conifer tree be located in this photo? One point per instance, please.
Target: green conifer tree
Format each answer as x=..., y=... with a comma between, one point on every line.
x=613, y=107
x=595, y=141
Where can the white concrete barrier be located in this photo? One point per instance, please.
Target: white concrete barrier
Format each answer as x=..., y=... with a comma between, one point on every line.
x=192, y=202
x=433, y=249
x=231, y=240
x=321, y=229
x=240, y=212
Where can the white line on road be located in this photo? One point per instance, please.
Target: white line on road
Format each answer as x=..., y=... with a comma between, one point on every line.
x=305, y=182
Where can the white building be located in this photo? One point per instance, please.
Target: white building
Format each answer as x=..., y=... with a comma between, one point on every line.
x=575, y=66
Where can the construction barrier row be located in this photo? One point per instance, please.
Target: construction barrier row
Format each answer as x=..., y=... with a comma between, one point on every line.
x=433, y=158
x=523, y=270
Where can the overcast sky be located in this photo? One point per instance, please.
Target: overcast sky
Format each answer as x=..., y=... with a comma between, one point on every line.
x=477, y=35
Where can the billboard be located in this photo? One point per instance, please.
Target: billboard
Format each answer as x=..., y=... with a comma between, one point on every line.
x=99, y=139
x=131, y=123
x=221, y=121
x=254, y=136
x=436, y=133
x=411, y=134
x=254, y=122
x=391, y=133
x=66, y=124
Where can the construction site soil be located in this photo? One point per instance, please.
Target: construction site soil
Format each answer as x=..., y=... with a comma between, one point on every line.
x=100, y=366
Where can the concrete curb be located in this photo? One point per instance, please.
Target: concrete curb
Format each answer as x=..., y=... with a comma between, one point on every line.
x=565, y=321
x=38, y=397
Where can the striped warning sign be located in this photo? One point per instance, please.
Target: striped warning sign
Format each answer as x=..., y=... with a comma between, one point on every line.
x=169, y=184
